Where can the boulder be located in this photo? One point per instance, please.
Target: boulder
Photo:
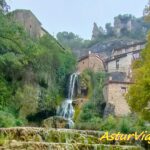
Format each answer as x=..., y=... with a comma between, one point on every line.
x=55, y=122
x=109, y=110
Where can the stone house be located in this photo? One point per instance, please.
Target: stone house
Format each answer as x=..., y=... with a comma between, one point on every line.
x=122, y=58
x=120, y=78
x=91, y=61
x=29, y=21
x=118, y=68
x=114, y=93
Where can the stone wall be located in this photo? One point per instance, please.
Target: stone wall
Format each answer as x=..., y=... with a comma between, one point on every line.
x=114, y=94
x=122, y=58
x=124, y=64
x=28, y=20
x=92, y=62
x=129, y=48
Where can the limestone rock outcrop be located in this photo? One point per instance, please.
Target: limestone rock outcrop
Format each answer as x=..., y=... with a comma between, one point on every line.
x=55, y=122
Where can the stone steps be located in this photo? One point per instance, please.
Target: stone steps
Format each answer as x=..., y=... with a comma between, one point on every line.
x=14, y=145
x=30, y=138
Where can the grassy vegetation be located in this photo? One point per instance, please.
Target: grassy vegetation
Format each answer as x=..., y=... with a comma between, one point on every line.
x=90, y=117
x=127, y=124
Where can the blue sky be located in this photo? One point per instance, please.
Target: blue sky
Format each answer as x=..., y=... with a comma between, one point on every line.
x=78, y=15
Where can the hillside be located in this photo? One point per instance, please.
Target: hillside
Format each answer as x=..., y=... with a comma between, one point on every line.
x=32, y=74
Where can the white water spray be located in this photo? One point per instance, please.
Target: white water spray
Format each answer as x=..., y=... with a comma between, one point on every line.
x=66, y=109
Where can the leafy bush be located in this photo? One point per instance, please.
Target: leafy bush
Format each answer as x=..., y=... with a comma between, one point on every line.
x=24, y=98
x=90, y=115
x=125, y=125
x=109, y=123
x=93, y=124
x=7, y=119
x=20, y=122
x=87, y=112
x=87, y=126
x=5, y=94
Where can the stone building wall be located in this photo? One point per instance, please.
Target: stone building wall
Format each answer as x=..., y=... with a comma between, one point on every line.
x=92, y=62
x=120, y=78
x=121, y=59
x=115, y=96
x=128, y=49
x=122, y=64
x=83, y=64
x=28, y=20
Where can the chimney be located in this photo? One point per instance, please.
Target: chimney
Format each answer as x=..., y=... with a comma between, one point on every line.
x=110, y=78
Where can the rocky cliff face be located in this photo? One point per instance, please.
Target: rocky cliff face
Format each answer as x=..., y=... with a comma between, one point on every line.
x=127, y=24
x=124, y=25
x=97, y=32
x=126, y=30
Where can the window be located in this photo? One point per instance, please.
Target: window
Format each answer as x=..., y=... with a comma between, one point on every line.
x=123, y=90
x=117, y=64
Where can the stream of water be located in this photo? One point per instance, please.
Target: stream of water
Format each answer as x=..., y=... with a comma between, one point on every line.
x=66, y=110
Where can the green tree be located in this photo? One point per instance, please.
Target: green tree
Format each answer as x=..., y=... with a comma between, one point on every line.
x=32, y=71
x=3, y=6
x=139, y=93
x=70, y=40
x=93, y=108
x=26, y=100
x=5, y=94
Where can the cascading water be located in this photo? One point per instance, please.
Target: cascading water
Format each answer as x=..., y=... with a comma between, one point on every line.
x=66, y=109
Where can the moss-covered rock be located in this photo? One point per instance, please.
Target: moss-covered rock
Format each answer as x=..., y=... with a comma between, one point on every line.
x=55, y=122
x=51, y=139
x=65, y=146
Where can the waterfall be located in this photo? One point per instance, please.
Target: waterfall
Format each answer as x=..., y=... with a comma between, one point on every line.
x=66, y=109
